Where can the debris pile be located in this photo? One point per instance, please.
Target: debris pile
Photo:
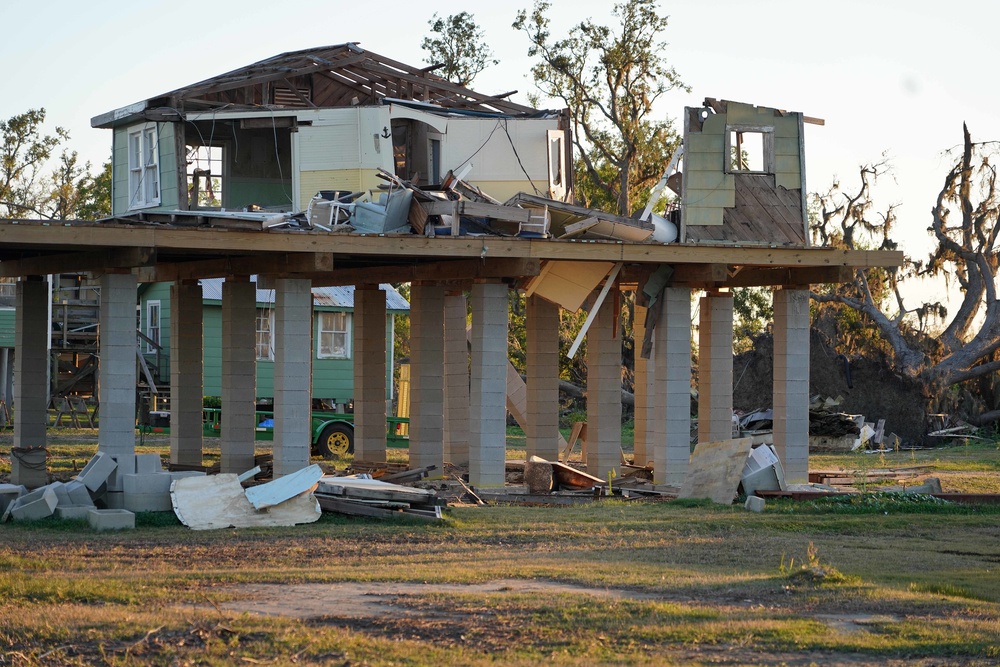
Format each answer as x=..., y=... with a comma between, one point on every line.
x=363, y=496
x=452, y=208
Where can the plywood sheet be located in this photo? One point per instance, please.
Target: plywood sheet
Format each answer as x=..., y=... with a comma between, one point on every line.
x=568, y=284
x=715, y=470
x=218, y=501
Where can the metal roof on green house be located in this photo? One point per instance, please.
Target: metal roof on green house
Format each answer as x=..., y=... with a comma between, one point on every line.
x=341, y=297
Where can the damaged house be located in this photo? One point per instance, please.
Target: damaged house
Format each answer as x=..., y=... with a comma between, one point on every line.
x=267, y=138
x=270, y=135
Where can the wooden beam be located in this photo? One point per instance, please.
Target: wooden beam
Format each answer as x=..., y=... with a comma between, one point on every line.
x=439, y=272
x=280, y=265
x=92, y=260
x=21, y=235
x=813, y=275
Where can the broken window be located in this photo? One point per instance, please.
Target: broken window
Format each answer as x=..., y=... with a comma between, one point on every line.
x=152, y=325
x=143, y=167
x=265, y=348
x=750, y=149
x=205, y=176
x=334, y=339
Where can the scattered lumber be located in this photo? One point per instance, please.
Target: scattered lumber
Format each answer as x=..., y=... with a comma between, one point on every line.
x=357, y=496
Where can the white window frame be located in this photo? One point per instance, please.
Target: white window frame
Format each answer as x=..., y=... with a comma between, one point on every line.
x=143, y=166
x=153, y=333
x=327, y=329
x=264, y=336
x=766, y=133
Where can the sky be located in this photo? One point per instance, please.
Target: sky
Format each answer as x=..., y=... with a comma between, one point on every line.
x=894, y=78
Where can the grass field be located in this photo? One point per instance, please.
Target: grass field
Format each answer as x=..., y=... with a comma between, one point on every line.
x=878, y=580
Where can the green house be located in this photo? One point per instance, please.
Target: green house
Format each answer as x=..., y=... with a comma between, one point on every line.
x=332, y=335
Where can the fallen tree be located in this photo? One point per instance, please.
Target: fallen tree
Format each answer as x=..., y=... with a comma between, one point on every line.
x=954, y=358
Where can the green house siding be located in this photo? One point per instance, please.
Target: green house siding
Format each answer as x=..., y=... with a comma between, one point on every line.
x=7, y=327
x=331, y=378
x=168, y=161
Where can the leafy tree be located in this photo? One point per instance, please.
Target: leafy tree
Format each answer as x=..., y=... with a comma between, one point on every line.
x=74, y=193
x=965, y=223
x=609, y=78
x=457, y=44
x=95, y=195
x=24, y=151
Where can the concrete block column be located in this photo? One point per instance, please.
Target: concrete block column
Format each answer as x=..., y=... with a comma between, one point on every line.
x=715, y=368
x=791, y=382
x=426, y=375
x=186, y=373
x=542, y=432
x=604, y=392
x=369, y=373
x=239, y=375
x=292, y=374
x=642, y=394
x=116, y=391
x=456, y=380
x=488, y=388
x=31, y=335
x=671, y=403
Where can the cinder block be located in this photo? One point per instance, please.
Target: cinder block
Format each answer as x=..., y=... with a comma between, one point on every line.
x=9, y=493
x=755, y=504
x=146, y=464
x=114, y=500
x=78, y=493
x=152, y=483
x=181, y=474
x=38, y=504
x=62, y=495
x=147, y=502
x=73, y=511
x=110, y=519
x=97, y=471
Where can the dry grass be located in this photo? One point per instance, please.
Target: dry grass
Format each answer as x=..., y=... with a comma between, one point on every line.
x=883, y=582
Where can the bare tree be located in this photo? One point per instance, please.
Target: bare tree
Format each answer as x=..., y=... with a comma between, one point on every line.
x=964, y=224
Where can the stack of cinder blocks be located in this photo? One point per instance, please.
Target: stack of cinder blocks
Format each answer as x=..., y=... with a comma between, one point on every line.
x=107, y=492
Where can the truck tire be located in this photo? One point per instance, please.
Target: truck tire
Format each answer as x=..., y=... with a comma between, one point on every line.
x=336, y=440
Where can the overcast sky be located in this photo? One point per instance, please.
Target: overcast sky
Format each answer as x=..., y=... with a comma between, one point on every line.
x=888, y=77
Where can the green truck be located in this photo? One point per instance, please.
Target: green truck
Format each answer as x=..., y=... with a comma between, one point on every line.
x=332, y=432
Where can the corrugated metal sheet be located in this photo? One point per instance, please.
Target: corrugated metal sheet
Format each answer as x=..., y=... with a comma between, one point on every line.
x=327, y=297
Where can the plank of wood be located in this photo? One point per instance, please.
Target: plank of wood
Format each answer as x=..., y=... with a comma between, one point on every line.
x=571, y=478
x=477, y=210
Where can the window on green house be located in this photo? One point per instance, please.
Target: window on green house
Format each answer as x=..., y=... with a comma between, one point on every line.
x=143, y=167
x=265, y=345
x=334, y=339
x=152, y=325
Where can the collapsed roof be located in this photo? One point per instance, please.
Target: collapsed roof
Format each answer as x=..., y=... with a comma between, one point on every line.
x=327, y=76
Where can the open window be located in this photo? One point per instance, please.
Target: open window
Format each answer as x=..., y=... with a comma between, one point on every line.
x=749, y=149
x=205, y=176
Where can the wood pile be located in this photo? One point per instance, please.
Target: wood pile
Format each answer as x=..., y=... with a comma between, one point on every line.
x=870, y=476
x=357, y=496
